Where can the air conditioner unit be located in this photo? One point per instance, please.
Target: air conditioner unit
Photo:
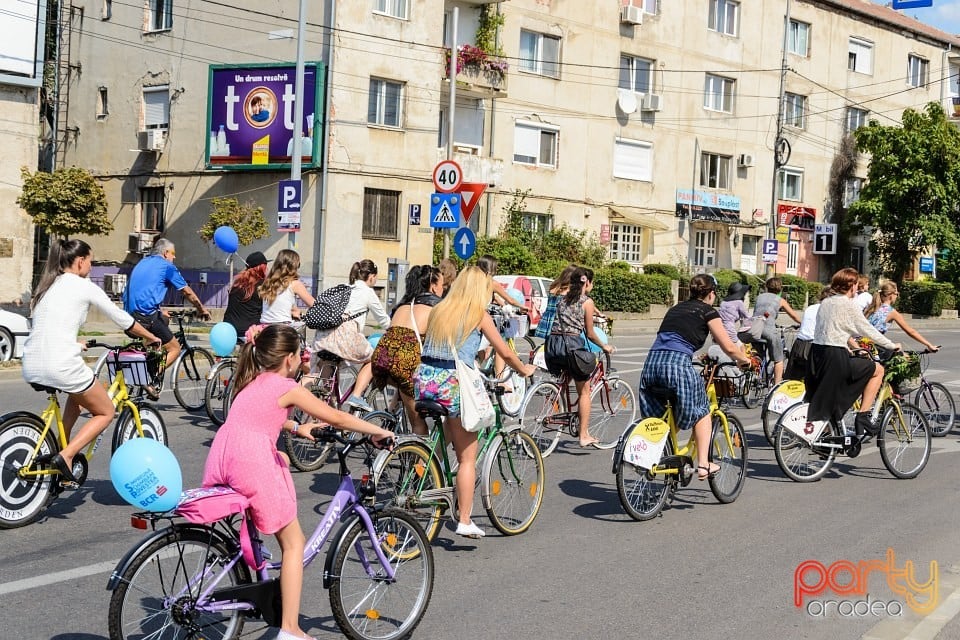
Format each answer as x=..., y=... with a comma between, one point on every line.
x=468, y=149
x=151, y=140
x=651, y=102
x=114, y=283
x=140, y=242
x=631, y=15
x=745, y=160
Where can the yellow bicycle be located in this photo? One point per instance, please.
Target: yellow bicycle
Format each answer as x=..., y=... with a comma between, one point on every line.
x=28, y=482
x=651, y=464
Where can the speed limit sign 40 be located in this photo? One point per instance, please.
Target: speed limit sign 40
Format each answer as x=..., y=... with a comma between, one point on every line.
x=447, y=177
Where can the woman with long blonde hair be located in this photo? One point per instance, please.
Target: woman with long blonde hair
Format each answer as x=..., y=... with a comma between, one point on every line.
x=453, y=331
x=281, y=289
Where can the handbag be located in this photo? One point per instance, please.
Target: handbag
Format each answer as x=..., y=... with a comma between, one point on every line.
x=571, y=352
x=345, y=341
x=476, y=410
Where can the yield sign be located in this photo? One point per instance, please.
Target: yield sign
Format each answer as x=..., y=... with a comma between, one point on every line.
x=470, y=193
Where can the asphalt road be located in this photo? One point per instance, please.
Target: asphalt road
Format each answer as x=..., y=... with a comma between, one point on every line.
x=584, y=570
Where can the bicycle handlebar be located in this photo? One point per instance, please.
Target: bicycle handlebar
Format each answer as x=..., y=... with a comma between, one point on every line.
x=331, y=435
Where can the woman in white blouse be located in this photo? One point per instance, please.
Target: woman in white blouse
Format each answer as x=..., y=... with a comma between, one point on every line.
x=835, y=377
x=52, y=356
x=281, y=289
x=363, y=300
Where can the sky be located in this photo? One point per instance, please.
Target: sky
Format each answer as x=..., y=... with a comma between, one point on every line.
x=944, y=15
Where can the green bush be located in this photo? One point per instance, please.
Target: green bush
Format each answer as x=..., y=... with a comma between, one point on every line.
x=664, y=270
x=794, y=290
x=925, y=297
x=619, y=290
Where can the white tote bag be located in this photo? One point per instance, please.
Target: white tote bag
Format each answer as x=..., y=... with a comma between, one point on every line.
x=476, y=410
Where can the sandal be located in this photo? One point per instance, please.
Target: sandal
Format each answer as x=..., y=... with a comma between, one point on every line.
x=705, y=472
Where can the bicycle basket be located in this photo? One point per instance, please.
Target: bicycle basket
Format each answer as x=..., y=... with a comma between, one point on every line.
x=903, y=372
x=725, y=387
x=907, y=386
x=136, y=370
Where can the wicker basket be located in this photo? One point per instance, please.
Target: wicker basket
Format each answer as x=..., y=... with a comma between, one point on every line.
x=904, y=387
x=725, y=387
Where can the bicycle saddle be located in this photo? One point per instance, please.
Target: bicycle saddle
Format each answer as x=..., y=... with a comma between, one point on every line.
x=431, y=409
x=328, y=356
x=44, y=388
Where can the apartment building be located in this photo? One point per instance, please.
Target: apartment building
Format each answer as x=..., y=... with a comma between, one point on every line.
x=652, y=123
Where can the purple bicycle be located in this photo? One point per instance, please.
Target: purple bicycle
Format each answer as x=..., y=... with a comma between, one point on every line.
x=205, y=577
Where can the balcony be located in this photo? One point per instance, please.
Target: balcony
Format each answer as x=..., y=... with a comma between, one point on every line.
x=479, y=74
x=476, y=168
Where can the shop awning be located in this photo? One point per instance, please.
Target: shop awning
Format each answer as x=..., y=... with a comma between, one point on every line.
x=639, y=217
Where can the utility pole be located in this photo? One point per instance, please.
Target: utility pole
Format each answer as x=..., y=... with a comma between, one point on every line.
x=779, y=144
x=295, y=161
x=452, y=107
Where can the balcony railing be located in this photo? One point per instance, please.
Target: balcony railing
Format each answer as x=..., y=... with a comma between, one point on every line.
x=476, y=168
x=478, y=73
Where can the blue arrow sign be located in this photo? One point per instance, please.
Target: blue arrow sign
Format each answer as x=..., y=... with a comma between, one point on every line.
x=445, y=210
x=464, y=243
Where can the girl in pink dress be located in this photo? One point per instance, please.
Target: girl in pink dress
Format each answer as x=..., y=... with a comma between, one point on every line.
x=244, y=454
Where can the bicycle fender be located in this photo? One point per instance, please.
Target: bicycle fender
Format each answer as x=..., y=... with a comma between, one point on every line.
x=334, y=549
x=134, y=551
x=21, y=414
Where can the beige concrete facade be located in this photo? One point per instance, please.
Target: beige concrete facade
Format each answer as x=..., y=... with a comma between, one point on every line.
x=580, y=108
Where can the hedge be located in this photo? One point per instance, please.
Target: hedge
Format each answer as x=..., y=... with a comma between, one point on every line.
x=926, y=298
x=619, y=290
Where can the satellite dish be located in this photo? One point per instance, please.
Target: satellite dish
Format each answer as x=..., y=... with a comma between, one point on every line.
x=626, y=100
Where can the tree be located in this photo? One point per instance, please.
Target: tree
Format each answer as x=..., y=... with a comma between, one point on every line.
x=912, y=194
x=246, y=219
x=65, y=202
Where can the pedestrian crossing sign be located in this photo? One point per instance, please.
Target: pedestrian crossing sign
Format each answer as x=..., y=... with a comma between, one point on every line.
x=445, y=210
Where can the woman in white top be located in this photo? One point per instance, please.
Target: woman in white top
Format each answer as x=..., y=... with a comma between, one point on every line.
x=281, y=289
x=52, y=356
x=363, y=299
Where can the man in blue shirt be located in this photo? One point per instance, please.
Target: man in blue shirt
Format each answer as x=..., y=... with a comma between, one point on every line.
x=147, y=288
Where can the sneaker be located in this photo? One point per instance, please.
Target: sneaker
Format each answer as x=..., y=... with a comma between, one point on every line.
x=286, y=635
x=469, y=530
x=359, y=403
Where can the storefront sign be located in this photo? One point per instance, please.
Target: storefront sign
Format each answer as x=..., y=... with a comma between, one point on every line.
x=707, y=205
x=796, y=217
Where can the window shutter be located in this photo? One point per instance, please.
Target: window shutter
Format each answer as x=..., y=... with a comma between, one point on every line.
x=526, y=143
x=156, y=108
x=633, y=161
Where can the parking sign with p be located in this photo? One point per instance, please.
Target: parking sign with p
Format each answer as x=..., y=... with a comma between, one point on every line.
x=288, y=205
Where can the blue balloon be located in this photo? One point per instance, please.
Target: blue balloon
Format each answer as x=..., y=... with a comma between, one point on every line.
x=374, y=339
x=226, y=239
x=146, y=474
x=223, y=339
x=603, y=340
x=516, y=296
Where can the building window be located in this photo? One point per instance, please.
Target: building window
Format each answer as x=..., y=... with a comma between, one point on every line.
x=650, y=6
x=392, y=8
x=381, y=211
x=636, y=74
x=793, y=108
x=535, y=144
x=152, y=205
x=954, y=81
x=793, y=256
x=539, y=53
x=790, y=184
x=705, y=249
x=860, y=56
x=718, y=94
x=856, y=257
x=539, y=224
x=724, y=17
x=628, y=242
x=851, y=191
x=106, y=11
x=856, y=118
x=798, y=38
x=102, y=107
x=633, y=160
x=156, y=107
x=160, y=15
x=918, y=73
x=384, y=104
x=715, y=171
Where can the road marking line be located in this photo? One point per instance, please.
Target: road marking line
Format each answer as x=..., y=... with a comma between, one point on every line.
x=57, y=576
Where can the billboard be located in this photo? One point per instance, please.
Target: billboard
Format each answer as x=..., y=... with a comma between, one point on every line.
x=21, y=42
x=250, y=110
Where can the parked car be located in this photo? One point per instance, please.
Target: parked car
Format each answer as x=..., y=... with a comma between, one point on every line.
x=539, y=290
x=14, y=330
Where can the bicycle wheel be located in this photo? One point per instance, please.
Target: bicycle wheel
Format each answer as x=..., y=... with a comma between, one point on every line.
x=150, y=420
x=538, y=416
x=516, y=390
x=642, y=493
x=512, y=482
x=216, y=388
x=799, y=460
x=157, y=596
x=403, y=475
x=305, y=455
x=613, y=406
x=731, y=456
x=785, y=394
x=365, y=604
x=189, y=375
x=101, y=372
x=22, y=499
x=904, y=444
x=937, y=404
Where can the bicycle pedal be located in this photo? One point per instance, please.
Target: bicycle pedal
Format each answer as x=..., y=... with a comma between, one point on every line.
x=66, y=485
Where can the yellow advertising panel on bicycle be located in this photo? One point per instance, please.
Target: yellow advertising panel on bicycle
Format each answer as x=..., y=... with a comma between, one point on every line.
x=646, y=442
x=786, y=395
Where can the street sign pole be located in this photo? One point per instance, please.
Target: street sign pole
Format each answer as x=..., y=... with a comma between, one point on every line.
x=295, y=161
x=452, y=107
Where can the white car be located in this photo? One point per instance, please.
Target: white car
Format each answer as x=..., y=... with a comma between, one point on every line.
x=14, y=330
x=539, y=290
